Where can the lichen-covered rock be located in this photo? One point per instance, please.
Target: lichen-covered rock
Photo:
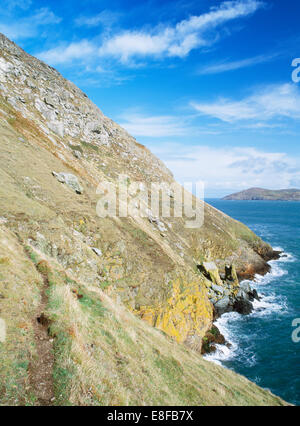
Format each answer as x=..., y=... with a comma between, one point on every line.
x=231, y=275
x=211, y=272
x=185, y=315
x=217, y=289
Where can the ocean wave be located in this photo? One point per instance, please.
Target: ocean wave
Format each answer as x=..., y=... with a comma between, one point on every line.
x=223, y=352
x=276, y=268
x=287, y=257
x=276, y=271
x=228, y=324
x=269, y=304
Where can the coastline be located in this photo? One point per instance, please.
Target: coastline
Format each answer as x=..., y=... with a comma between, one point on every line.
x=244, y=300
x=224, y=347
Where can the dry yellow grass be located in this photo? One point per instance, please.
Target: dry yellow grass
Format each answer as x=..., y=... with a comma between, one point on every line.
x=103, y=354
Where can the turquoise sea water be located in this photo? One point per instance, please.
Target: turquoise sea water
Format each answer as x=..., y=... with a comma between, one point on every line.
x=262, y=346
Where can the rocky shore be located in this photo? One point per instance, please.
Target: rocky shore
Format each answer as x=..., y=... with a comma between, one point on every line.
x=229, y=292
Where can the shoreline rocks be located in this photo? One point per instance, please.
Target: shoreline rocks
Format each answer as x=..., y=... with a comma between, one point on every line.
x=239, y=300
x=212, y=337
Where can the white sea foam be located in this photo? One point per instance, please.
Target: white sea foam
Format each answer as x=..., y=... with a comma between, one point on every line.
x=226, y=324
x=275, y=272
x=223, y=352
x=266, y=306
x=287, y=257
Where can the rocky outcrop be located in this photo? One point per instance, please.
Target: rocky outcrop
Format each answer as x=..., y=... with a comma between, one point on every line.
x=212, y=338
x=70, y=180
x=229, y=295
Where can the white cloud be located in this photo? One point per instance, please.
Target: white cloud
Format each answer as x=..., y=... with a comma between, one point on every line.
x=12, y=4
x=28, y=27
x=235, y=65
x=161, y=126
x=229, y=169
x=105, y=18
x=272, y=102
x=155, y=126
x=69, y=53
x=162, y=41
x=179, y=40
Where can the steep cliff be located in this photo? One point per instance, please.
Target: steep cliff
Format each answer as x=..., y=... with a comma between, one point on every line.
x=56, y=146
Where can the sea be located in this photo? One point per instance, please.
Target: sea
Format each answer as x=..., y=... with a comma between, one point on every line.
x=263, y=344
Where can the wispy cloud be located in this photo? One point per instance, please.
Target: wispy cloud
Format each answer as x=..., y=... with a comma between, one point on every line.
x=105, y=18
x=162, y=41
x=228, y=169
x=68, y=53
x=276, y=101
x=161, y=126
x=180, y=40
x=153, y=126
x=235, y=65
x=13, y=4
x=20, y=28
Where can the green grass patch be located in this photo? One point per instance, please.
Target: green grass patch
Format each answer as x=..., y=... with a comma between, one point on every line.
x=94, y=306
x=63, y=369
x=89, y=146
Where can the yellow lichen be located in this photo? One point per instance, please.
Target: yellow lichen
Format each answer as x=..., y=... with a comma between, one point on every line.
x=185, y=316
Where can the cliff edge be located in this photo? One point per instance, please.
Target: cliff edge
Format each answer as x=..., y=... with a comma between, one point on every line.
x=80, y=283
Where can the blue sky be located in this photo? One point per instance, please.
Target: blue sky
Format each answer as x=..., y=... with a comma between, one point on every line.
x=206, y=85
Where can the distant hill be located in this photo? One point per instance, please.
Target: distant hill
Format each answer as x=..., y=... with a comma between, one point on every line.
x=266, y=194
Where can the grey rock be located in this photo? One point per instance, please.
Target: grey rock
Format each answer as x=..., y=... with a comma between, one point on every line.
x=255, y=295
x=70, y=180
x=49, y=101
x=242, y=295
x=245, y=286
x=217, y=288
x=57, y=127
x=223, y=305
x=243, y=306
x=97, y=251
x=156, y=221
x=77, y=154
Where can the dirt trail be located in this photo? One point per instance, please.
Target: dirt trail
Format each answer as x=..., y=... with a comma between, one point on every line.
x=41, y=369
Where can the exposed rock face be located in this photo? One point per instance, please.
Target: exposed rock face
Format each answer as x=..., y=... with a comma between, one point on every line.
x=147, y=263
x=213, y=337
x=229, y=295
x=243, y=306
x=210, y=271
x=223, y=305
x=70, y=180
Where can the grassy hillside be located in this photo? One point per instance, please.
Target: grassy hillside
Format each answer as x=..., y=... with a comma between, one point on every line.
x=71, y=282
x=102, y=354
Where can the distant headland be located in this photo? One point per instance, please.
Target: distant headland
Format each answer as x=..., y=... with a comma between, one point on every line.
x=265, y=194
